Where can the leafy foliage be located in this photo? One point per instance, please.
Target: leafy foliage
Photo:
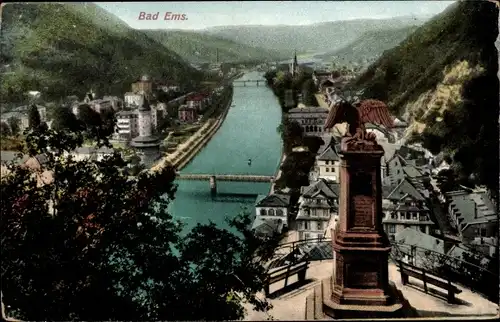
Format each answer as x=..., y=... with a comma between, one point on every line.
x=34, y=120
x=95, y=244
x=14, y=124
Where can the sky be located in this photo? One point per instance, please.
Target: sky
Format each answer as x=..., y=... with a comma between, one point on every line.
x=201, y=15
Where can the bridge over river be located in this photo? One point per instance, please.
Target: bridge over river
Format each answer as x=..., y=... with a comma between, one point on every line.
x=248, y=132
x=213, y=178
x=244, y=83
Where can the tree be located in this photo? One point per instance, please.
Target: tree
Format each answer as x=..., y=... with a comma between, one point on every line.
x=446, y=180
x=308, y=91
x=95, y=244
x=14, y=124
x=64, y=120
x=34, y=120
x=5, y=129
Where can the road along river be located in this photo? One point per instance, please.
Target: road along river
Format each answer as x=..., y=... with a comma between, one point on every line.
x=248, y=132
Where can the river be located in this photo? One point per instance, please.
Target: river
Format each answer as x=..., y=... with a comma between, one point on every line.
x=248, y=132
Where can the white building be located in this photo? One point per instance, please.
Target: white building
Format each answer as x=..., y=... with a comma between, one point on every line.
x=327, y=164
x=274, y=206
x=127, y=126
x=311, y=119
x=317, y=204
x=405, y=207
x=91, y=153
x=133, y=99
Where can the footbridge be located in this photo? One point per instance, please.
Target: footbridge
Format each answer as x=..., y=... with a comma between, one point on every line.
x=213, y=178
x=250, y=82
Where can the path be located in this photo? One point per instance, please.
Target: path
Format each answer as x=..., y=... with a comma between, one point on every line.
x=291, y=305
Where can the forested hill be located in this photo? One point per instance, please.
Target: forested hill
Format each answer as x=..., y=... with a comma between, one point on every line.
x=64, y=49
x=202, y=48
x=443, y=78
x=369, y=46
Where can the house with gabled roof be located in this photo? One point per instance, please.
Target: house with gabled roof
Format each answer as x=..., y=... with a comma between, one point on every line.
x=317, y=204
x=405, y=207
x=273, y=207
x=473, y=214
x=327, y=164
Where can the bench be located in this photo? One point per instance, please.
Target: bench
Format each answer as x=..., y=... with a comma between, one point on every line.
x=284, y=273
x=408, y=270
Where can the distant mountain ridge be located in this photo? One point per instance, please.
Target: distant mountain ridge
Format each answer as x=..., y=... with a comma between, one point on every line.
x=199, y=47
x=321, y=37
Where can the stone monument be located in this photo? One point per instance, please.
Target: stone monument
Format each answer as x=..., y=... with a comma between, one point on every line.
x=359, y=286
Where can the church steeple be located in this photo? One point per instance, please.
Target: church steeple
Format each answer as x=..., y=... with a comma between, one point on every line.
x=294, y=65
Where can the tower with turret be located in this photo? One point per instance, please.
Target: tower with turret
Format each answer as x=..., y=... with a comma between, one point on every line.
x=146, y=144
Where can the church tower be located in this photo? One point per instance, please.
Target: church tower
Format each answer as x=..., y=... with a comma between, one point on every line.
x=294, y=66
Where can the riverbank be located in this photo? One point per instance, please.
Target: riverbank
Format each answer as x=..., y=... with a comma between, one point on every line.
x=200, y=140
x=186, y=151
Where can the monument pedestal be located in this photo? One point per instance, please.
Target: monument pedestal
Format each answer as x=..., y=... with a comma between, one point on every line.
x=359, y=286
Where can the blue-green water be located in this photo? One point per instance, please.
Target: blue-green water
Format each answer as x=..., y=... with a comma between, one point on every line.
x=248, y=132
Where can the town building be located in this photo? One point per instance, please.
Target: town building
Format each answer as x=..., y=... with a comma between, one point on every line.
x=127, y=126
x=143, y=85
x=196, y=102
x=133, y=99
x=146, y=144
x=100, y=105
x=405, y=207
x=273, y=206
x=327, y=164
x=311, y=119
x=187, y=114
x=91, y=153
x=473, y=214
x=317, y=204
x=21, y=115
x=116, y=102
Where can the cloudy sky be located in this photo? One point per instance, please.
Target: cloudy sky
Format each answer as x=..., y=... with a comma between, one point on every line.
x=208, y=14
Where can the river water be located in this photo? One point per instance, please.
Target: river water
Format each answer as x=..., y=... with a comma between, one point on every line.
x=248, y=132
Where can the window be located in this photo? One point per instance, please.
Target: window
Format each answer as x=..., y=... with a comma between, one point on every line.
x=327, y=169
x=271, y=212
x=279, y=212
x=391, y=228
x=414, y=216
x=408, y=216
x=320, y=225
x=394, y=215
x=263, y=212
x=327, y=162
x=306, y=225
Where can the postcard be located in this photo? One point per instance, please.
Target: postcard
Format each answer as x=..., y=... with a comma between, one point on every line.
x=249, y=160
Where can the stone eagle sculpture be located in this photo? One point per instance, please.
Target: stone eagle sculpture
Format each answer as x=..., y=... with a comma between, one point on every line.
x=357, y=114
